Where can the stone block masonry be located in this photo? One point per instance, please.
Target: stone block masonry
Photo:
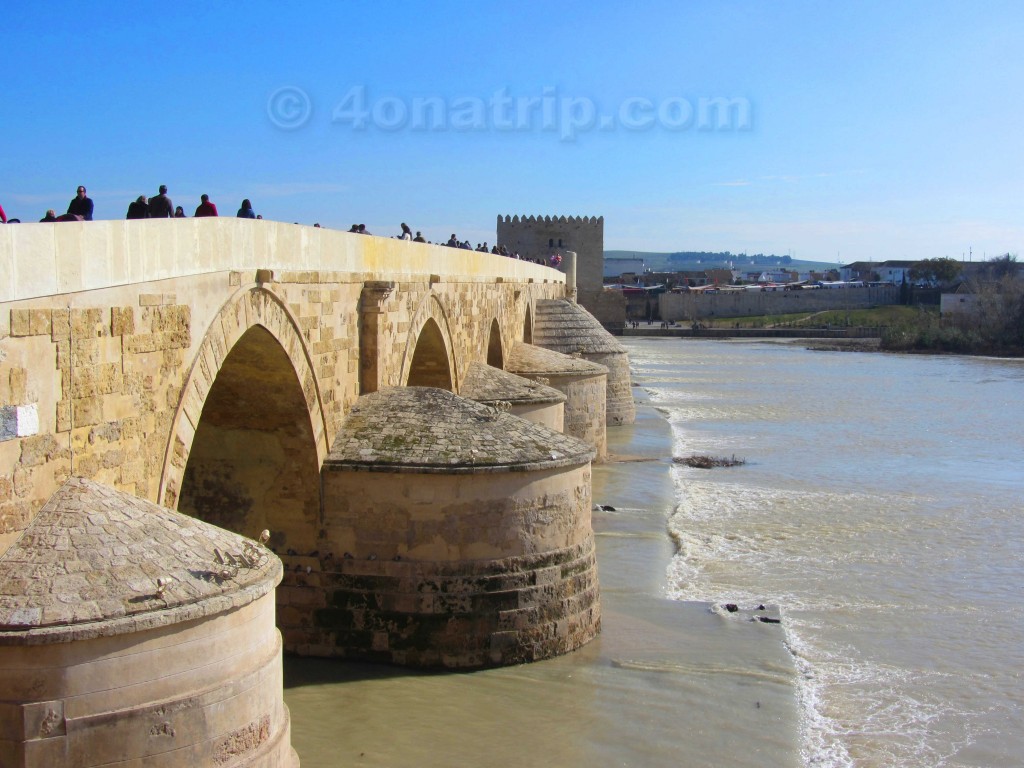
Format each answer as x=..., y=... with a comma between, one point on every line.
x=684, y=307
x=216, y=382
x=455, y=615
x=467, y=545
x=105, y=368
x=537, y=237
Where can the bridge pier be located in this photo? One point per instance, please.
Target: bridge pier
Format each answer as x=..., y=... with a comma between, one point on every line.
x=371, y=306
x=470, y=549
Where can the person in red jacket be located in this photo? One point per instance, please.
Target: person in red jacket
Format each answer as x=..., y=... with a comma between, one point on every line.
x=3, y=216
x=206, y=208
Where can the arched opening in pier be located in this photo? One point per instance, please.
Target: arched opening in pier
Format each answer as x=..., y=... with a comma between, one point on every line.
x=430, y=366
x=528, y=327
x=495, y=356
x=253, y=462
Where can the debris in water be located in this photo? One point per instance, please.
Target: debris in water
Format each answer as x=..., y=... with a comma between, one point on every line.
x=708, y=462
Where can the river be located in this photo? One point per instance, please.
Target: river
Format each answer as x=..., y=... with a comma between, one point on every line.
x=879, y=506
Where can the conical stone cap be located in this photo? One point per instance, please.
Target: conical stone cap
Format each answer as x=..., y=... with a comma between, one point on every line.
x=527, y=359
x=428, y=430
x=487, y=384
x=87, y=566
x=567, y=327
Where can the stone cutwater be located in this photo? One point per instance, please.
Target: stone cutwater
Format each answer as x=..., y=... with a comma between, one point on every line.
x=460, y=536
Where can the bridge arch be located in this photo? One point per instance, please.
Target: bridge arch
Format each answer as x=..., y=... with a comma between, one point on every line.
x=495, y=349
x=430, y=359
x=249, y=435
x=528, y=324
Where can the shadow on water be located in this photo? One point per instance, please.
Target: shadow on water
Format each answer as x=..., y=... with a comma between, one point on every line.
x=301, y=671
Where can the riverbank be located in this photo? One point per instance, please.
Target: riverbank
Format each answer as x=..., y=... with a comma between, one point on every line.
x=687, y=332
x=667, y=683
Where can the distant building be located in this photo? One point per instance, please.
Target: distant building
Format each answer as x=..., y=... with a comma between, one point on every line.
x=891, y=271
x=963, y=303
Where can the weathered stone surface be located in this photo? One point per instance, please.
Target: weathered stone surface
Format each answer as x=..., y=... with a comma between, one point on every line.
x=423, y=429
x=583, y=382
x=93, y=554
x=536, y=361
x=458, y=615
x=566, y=327
x=487, y=384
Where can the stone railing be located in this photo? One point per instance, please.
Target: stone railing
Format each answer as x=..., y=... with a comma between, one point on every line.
x=48, y=259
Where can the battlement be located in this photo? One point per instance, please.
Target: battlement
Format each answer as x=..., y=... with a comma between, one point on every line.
x=538, y=237
x=550, y=219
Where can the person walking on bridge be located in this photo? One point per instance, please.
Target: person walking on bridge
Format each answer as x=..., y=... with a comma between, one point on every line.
x=206, y=208
x=139, y=209
x=161, y=207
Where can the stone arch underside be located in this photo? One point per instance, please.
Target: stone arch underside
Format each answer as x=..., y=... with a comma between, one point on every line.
x=253, y=462
x=430, y=356
x=495, y=353
x=429, y=367
x=250, y=434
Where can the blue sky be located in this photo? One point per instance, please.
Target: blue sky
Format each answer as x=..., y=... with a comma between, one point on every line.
x=855, y=131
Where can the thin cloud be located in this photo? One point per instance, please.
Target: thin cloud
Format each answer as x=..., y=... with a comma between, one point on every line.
x=738, y=183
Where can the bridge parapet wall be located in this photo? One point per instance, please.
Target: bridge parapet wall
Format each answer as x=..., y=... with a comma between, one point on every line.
x=41, y=260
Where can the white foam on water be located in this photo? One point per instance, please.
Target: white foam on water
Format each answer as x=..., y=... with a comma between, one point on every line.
x=861, y=713
x=847, y=703
x=879, y=507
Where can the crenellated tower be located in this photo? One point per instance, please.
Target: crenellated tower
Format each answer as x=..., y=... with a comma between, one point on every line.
x=540, y=236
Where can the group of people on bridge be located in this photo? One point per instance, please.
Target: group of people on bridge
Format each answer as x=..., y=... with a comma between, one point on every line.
x=160, y=206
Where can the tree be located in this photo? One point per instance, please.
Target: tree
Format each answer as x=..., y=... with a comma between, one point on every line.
x=1002, y=266
x=941, y=270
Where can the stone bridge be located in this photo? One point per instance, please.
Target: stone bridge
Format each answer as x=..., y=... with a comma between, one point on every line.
x=114, y=334
x=208, y=365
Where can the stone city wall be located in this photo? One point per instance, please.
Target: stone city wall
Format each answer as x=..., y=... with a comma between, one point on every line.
x=699, y=305
x=609, y=307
